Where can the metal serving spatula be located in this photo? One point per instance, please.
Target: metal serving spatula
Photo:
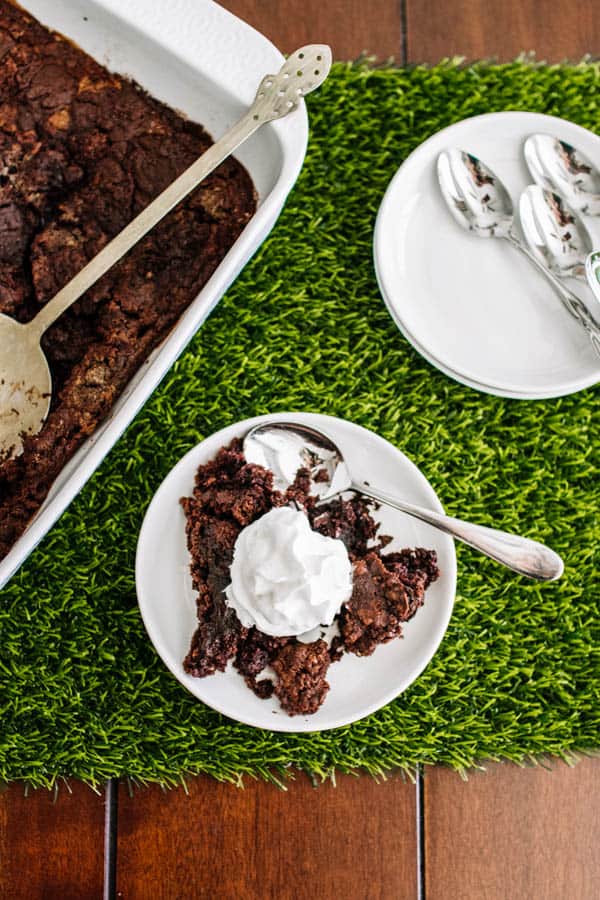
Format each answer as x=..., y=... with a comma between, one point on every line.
x=25, y=381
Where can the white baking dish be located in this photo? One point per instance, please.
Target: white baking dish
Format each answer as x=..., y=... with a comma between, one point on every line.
x=200, y=59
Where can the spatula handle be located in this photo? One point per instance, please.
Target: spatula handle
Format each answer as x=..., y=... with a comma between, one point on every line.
x=276, y=97
x=144, y=222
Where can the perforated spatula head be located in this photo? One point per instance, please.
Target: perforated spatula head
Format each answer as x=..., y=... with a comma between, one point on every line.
x=303, y=71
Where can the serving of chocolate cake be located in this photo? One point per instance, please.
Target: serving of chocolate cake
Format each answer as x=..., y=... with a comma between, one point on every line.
x=83, y=151
x=387, y=588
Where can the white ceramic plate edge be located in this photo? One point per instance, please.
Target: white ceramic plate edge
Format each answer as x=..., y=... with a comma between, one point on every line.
x=450, y=373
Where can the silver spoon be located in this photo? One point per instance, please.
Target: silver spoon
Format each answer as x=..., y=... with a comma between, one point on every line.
x=284, y=447
x=480, y=203
x=558, y=166
x=555, y=233
x=592, y=272
x=25, y=381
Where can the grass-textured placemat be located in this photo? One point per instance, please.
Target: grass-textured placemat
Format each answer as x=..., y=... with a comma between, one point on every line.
x=82, y=691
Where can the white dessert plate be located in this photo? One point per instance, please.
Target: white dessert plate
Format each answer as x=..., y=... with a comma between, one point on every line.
x=359, y=686
x=198, y=58
x=474, y=308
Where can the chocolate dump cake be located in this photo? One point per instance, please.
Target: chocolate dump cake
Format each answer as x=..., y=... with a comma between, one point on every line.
x=82, y=151
x=386, y=590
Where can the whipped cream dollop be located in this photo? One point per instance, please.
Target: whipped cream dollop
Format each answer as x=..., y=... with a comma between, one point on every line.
x=286, y=578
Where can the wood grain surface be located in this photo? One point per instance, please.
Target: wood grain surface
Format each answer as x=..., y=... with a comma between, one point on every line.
x=51, y=846
x=429, y=30
x=510, y=834
x=355, y=841
x=350, y=27
x=513, y=834
x=480, y=29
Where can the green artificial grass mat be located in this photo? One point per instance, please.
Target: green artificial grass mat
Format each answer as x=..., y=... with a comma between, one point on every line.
x=83, y=692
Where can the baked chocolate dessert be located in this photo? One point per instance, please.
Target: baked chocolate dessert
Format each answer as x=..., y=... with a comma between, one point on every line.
x=387, y=588
x=83, y=151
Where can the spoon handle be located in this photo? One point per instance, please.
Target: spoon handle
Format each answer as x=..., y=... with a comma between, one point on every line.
x=517, y=553
x=570, y=301
x=592, y=273
x=142, y=224
x=277, y=95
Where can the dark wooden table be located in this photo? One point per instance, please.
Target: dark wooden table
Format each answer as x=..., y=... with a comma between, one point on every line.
x=505, y=834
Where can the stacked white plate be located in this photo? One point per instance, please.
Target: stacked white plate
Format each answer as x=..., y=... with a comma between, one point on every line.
x=473, y=307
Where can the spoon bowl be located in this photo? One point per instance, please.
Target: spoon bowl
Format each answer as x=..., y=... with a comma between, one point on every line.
x=474, y=194
x=480, y=203
x=555, y=233
x=283, y=447
x=557, y=166
x=25, y=385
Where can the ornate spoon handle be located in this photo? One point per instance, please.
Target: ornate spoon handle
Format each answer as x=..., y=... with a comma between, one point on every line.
x=570, y=301
x=517, y=553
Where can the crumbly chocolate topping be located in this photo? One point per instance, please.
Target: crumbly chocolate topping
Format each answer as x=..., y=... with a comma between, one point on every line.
x=388, y=588
x=387, y=591
x=83, y=151
x=301, y=669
